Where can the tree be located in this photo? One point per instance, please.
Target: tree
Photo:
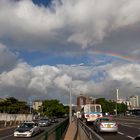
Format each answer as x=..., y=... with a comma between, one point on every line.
x=109, y=106
x=52, y=108
x=12, y=105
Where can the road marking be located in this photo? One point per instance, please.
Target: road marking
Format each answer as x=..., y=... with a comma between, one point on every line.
x=120, y=133
x=130, y=137
x=6, y=137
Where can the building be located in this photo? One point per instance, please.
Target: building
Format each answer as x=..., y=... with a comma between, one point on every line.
x=36, y=104
x=134, y=102
x=2, y=100
x=82, y=100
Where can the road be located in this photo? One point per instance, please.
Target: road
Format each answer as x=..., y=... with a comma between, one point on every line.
x=128, y=130
x=7, y=134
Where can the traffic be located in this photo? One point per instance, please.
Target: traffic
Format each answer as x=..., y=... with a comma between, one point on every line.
x=30, y=130
x=110, y=127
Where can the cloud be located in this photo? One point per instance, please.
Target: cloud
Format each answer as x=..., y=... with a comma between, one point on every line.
x=46, y=82
x=84, y=23
x=8, y=59
x=73, y=27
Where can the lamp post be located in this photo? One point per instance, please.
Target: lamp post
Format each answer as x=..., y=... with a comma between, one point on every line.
x=137, y=102
x=116, y=101
x=70, y=106
x=30, y=107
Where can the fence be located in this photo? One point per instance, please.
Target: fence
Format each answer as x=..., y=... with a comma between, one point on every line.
x=85, y=132
x=55, y=133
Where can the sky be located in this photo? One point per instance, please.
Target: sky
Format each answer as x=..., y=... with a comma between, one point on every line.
x=44, y=42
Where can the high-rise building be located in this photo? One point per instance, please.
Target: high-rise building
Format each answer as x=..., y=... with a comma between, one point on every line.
x=82, y=100
x=37, y=104
x=134, y=101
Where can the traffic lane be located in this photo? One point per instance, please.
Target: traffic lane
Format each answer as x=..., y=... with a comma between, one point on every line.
x=121, y=135
x=124, y=133
x=6, y=132
x=130, y=124
x=11, y=137
x=112, y=136
x=129, y=130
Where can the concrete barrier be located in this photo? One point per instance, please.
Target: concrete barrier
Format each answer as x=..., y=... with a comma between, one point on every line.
x=7, y=120
x=15, y=117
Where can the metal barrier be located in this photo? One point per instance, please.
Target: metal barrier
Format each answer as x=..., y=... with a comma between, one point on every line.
x=56, y=133
x=86, y=133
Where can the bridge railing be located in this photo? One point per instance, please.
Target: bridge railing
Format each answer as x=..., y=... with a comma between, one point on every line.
x=55, y=133
x=86, y=133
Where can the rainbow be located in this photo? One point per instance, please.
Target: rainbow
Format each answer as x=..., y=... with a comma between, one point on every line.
x=115, y=55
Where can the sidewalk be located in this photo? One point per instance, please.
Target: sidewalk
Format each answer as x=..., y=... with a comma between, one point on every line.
x=71, y=132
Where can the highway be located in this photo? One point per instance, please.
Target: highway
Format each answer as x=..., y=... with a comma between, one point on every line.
x=128, y=130
x=7, y=134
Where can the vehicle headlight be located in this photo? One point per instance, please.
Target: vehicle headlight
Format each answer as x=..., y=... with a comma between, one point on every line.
x=31, y=131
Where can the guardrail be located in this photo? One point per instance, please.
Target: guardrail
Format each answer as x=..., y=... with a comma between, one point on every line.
x=55, y=133
x=85, y=132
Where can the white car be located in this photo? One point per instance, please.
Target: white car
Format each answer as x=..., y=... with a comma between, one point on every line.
x=105, y=124
x=27, y=129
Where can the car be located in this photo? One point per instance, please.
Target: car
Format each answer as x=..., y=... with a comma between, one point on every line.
x=44, y=122
x=54, y=120
x=104, y=124
x=27, y=129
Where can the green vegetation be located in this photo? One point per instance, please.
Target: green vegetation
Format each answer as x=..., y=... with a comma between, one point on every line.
x=110, y=106
x=53, y=108
x=13, y=106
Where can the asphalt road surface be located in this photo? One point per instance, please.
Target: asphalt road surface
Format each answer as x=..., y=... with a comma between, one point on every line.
x=7, y=134
x=128, y=130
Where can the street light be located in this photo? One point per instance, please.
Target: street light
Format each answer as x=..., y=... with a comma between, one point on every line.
x=116, y=100
x=70, y=106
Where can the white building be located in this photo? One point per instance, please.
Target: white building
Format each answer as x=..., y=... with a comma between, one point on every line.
x=36, y=104
x=134, y=101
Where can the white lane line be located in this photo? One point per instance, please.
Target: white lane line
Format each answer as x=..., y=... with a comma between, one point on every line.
x=5, y=137
x=130, y=137
x=120, y=133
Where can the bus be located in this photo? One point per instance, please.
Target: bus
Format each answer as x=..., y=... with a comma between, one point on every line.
x=90, y=112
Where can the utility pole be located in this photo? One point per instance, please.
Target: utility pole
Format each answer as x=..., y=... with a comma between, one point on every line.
x=116, y=101
x=70, y=102
x=30, y=107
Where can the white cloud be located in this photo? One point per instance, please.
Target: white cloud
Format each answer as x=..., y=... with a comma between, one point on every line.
x=105, y=25
x=26, y=82
x=83, y=22
x=126, y=73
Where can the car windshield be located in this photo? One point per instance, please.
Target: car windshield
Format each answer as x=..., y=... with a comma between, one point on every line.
x=44, y=119
x=105, y=120
x=98, y=109
x=27, y=125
